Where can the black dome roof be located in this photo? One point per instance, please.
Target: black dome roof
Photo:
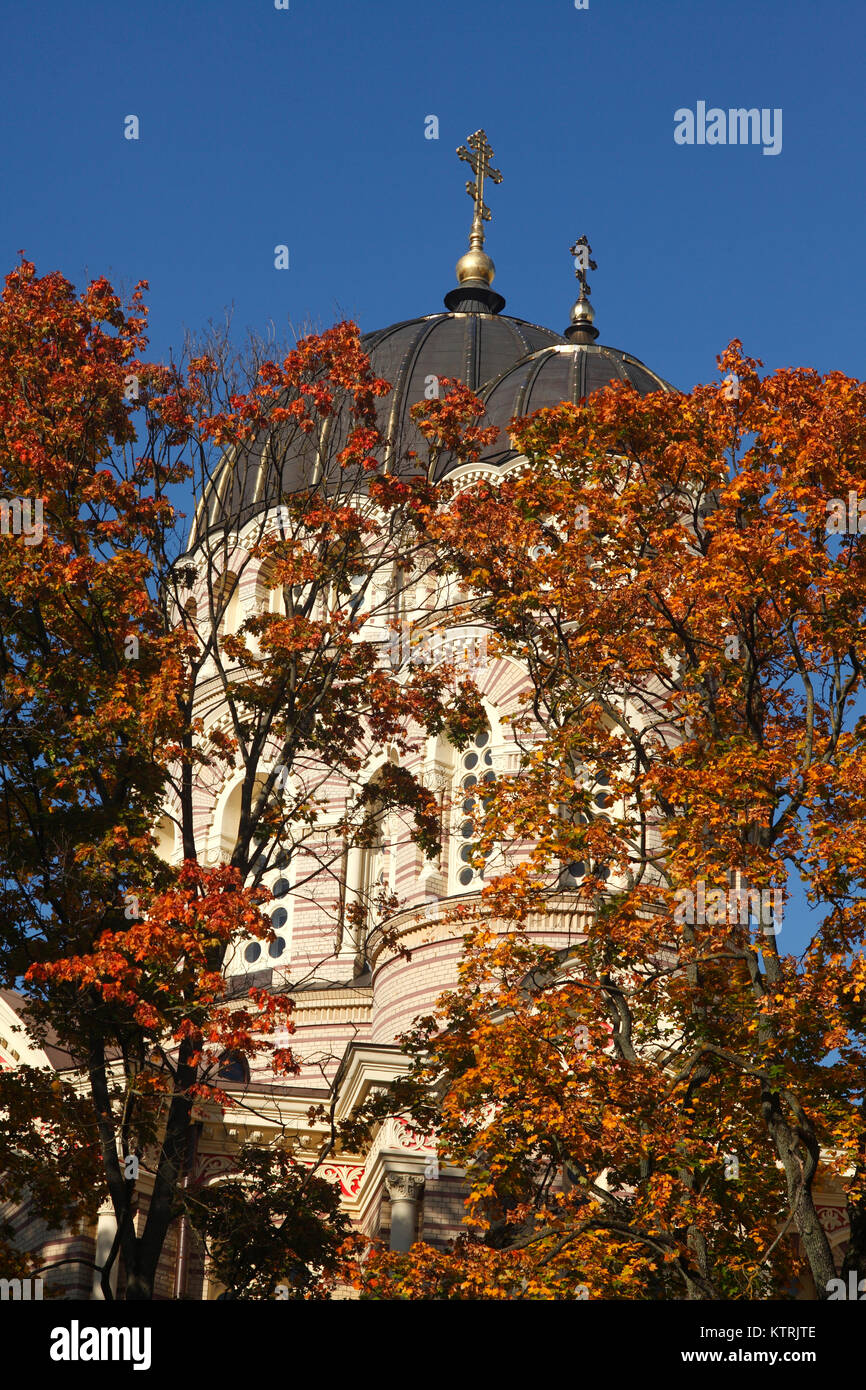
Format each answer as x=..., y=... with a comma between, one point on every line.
x=474, y=347
x=567, y=371
x=470, y=343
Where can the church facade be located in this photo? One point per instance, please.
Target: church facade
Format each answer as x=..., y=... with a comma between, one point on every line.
x=358, y=997
x=354, y=995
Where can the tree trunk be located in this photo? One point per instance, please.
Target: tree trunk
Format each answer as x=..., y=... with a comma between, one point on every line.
x=799, y=1152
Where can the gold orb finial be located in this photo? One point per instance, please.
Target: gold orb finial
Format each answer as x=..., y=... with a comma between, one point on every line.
x=475, y=266
x=582, y=311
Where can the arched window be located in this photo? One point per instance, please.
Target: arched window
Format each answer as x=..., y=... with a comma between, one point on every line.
x=369, y=873
x=378, y=862
x=227, y=819
x=227, y=602
x=184, y=613
x=166, y=838
x=269, y=596
x=370, y=866
x=234, y=1068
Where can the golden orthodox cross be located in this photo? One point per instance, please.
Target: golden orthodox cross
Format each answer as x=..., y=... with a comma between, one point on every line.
x=478, y=157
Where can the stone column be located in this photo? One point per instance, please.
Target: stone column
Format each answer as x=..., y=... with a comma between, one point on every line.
x=106, y=1226
x=404, y=1190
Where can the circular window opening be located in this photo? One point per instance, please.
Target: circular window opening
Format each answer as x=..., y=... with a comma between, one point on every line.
x=482, y=740
x=465, y=876
x=470, y=760
x=280, y=888
x=252, y=952
x=279, y=918
x=277, y=947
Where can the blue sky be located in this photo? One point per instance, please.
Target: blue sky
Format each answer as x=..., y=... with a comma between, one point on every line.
x=305, y=127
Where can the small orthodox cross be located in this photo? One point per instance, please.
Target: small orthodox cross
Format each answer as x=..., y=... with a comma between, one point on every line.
x=582, y=252
x=478, y=156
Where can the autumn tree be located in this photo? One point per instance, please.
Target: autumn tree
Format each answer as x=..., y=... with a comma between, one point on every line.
x=648, y=1111
x=116, y=642
x=273, y=1228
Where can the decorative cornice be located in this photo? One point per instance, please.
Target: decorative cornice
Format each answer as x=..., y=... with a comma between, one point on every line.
x=366, y=1067
x=429, y=921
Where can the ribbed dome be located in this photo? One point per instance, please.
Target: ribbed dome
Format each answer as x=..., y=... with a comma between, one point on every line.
x=474, y=347
x=562, y=372
x=470, y=343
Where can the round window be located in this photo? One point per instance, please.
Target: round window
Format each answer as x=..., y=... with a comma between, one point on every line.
x=482, y=740
x=470, y=760
x=277, y=947
x=465, y=876
x=252, y=952
x=279, y=918
x=280, y=888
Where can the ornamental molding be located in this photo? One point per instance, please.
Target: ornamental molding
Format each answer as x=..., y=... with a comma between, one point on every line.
x=403, y=1187
x=395, y=1135
x=399, y=1134
x=470, y=473
x=832, y=1213
x=210, y=1168
x=348, y=1175
x=365, y=1068
x=340, y=1000
x=428, y=923
x=343, y=1013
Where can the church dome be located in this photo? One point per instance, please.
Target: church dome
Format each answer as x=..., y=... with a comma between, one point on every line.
x=561, y=372
x=516, y=367
x=569, y=370
x=475, y=347
x=472, y=342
